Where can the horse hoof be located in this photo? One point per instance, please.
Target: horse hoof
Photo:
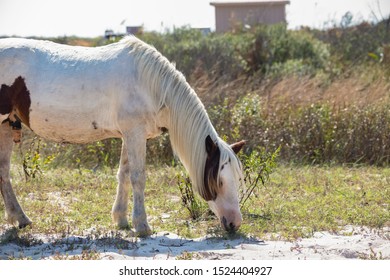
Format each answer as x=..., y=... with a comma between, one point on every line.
x=123, y=224
x=24, y=224
x=143, y=231
x=143, y=234
x=120, y=219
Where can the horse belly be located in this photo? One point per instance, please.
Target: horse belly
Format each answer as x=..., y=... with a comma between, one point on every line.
x=74, y=108
x=71, y=127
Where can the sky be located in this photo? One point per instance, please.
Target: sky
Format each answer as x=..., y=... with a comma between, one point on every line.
x=90, y=18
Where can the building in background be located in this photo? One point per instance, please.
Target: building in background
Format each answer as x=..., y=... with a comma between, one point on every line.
x=109, y=34
x=134, y=30
x=230, y=15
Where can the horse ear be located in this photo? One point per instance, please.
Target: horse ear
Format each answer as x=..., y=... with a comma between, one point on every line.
x=211, y=147
x=236, y=147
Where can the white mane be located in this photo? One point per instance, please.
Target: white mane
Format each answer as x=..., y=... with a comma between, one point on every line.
x=189, y=123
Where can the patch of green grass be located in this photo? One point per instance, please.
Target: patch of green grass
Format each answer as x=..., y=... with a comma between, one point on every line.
x=64, y=200
x=301, y=200
x=296, y=202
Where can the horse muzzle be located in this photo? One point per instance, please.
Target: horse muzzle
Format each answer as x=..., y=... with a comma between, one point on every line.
x=231, y=226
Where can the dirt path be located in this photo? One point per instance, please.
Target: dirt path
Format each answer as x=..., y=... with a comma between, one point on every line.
x=352, y=243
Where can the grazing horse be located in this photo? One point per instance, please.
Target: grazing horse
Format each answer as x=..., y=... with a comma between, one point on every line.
x=123, y=90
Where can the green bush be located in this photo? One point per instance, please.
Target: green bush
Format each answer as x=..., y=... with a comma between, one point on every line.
x=231, y=55
x=312, y=133
x=354, y=44
x=275, y=45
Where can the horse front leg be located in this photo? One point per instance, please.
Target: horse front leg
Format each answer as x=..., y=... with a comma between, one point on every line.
x=132, y=167
x=119, y=210
x=14, y=213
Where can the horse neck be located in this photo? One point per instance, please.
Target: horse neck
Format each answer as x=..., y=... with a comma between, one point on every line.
x=188, y=122
x=188, y=128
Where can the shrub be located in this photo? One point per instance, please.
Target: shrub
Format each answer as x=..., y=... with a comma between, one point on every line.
x=277, y=45
x=227, y=56
x=311, y=133
x=189, y=200
x=322, y=134
x=257, y=167
x=353, y=44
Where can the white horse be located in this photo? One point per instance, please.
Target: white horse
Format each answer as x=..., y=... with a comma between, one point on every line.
x=124, y=90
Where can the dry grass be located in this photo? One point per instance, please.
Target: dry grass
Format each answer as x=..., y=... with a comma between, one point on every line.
x=361, y=87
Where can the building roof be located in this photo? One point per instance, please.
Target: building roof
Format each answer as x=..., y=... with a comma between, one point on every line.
x=248, y=2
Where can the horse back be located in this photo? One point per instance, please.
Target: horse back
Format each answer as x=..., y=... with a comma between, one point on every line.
x=84, y=89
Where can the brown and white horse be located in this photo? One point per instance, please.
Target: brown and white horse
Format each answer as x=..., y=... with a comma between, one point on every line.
x=124, y=90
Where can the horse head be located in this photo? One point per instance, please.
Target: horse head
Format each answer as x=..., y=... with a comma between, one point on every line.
x=222, y=177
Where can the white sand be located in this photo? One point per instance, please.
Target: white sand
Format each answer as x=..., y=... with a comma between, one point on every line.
x=352, y=243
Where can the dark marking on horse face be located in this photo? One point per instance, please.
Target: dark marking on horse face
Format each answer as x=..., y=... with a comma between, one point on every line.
x=5, y=100
x=211, y=170
x=94, y=124
x=16, y=99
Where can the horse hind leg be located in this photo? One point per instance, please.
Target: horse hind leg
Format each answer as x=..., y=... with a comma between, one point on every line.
x=13, y=211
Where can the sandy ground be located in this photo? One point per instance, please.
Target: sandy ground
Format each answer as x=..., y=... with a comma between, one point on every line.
x=351, y=243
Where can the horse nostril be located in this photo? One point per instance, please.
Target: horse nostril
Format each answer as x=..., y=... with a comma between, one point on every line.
x=224, y=222
x=228, y=227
